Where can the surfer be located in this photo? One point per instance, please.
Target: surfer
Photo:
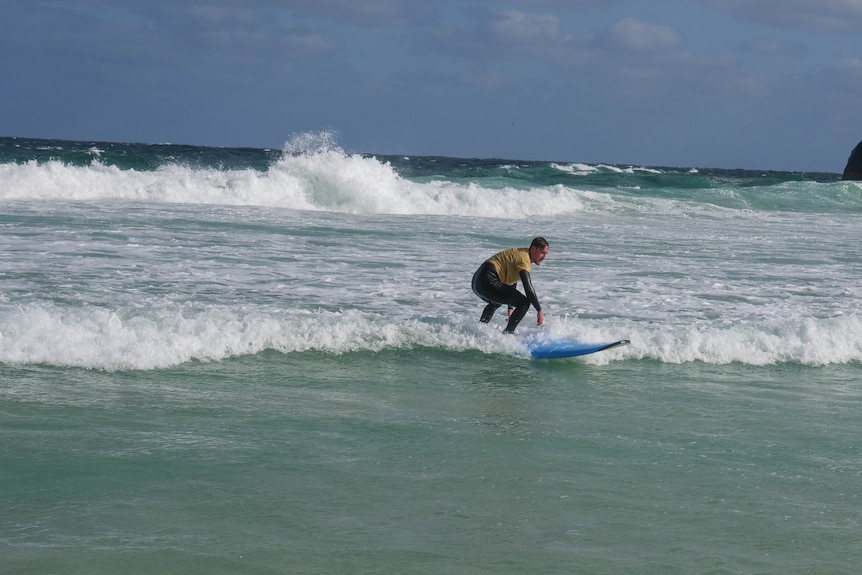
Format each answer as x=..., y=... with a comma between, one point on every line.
x=496, y=278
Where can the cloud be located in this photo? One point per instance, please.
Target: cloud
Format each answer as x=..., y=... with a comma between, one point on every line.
x=835, y=15
x=632, y=35
x=308, y=42
x=853, y=65
x=493, y=37
x=398, y=13
x=562, y=2
x=526, y=31
x=775, y=47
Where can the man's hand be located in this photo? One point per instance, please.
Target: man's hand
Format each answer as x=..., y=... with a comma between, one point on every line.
x=541, y=315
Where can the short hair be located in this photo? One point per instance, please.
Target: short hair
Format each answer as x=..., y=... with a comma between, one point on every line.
x=539, y=243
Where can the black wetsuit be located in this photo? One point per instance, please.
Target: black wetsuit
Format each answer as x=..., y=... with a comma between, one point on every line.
x=487, y=285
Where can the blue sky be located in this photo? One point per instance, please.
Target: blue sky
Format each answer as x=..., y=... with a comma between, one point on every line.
x=760, y=84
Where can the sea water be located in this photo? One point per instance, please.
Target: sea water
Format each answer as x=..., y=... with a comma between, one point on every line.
x=249, y=361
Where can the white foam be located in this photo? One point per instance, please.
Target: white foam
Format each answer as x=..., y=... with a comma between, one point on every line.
x=323, y=180
x=158, y=338
x=684, y=280
x=576, y=169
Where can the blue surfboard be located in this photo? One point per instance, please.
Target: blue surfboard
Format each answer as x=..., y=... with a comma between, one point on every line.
x=559, y=348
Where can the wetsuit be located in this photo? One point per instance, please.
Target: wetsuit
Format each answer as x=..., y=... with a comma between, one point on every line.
x=495, y=282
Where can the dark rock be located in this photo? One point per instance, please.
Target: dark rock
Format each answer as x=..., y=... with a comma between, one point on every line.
x=853, y=169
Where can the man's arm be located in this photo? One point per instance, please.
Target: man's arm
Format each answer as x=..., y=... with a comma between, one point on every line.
x=531, y=295
x=529, y=290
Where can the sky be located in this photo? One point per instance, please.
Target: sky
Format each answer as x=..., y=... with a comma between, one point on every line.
x=753, y=84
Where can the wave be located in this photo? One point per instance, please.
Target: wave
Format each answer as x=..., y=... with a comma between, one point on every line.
x=313, y=173
x=328, y=180
x=115, y=340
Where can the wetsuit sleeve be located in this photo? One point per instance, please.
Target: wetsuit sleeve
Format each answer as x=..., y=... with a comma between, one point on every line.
x=529, y=291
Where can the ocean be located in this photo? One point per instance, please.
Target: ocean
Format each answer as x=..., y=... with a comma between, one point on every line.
x=269, y=361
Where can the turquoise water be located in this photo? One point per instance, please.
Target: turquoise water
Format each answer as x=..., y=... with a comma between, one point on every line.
x=252, y=361
x=432, y=462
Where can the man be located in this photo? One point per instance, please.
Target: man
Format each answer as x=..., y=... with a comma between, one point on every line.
x=496, y=278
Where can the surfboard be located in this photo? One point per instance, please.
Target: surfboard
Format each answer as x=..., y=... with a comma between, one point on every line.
x=560, y=348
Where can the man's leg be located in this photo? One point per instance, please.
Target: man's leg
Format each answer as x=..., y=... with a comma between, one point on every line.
x=488, y=286
x=521, y=310
x=488, y=312
x=483, y=286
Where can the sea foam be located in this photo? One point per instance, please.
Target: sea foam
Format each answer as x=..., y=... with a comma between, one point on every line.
x=322, y=180
x=112, y=340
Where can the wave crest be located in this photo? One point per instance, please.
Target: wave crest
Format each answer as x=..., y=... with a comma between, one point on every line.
x=313, y=173
x=133, y=340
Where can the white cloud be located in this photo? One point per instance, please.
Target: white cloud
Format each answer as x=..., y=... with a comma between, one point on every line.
x=837, y=15
x=308, y=42
x=775, y=47
x=494, y=37
x=633, y=35
x=851, y=65
x=563, y=2
x=527, y=30
x=384, y=13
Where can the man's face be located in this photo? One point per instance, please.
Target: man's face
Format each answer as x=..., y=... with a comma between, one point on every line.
x=537, y=255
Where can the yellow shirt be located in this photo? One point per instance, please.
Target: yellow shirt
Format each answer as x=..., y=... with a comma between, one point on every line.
x=509, y=264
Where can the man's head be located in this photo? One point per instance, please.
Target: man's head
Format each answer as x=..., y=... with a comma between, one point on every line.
x=539, y=249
